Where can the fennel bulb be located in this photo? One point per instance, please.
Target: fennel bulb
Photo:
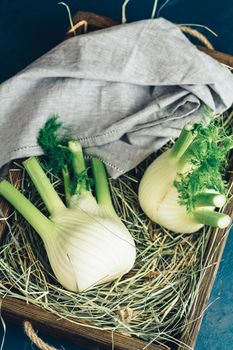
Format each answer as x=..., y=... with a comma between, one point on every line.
x=182, y=187
x=86, y=242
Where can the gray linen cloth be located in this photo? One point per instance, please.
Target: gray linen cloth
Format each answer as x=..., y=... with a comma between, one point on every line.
x=125, y=90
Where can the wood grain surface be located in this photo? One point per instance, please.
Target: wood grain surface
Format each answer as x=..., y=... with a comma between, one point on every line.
x=212, y=259
x=219, y=56
x=15, y=178
x=79, y=334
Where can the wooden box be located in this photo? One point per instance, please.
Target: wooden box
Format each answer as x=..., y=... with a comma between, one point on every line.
x=79, y=334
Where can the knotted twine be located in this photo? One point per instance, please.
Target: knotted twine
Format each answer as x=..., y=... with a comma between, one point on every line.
x=185, y=29
x=32, y=335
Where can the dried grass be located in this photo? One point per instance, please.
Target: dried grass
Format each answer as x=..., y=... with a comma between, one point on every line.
x=152, y=302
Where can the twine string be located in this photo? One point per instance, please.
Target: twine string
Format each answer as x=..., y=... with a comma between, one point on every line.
x=79, y=24
x=196, y=34
x=185, y=29
x=126, y=314
x=32, y=335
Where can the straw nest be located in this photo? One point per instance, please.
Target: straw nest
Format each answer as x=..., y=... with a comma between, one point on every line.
x=152, y=302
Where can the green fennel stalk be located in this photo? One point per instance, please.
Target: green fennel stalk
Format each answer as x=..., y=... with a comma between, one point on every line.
x=86, y=242
x=183, y=186
x=207, y=155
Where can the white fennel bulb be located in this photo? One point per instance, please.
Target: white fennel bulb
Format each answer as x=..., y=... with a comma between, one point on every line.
x=183, y=172
x=86, y=242
x=88, y=248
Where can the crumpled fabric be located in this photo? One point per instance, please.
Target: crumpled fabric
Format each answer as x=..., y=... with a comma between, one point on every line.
x=125, y=91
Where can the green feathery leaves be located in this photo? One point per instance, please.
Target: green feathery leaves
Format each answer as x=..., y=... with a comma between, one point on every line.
x=208, y=155
x=53, y=140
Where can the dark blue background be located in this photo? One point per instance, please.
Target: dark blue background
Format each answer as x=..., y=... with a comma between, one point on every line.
x=30, y=28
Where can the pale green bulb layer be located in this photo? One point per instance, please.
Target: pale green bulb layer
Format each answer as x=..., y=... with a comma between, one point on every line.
x=88, y=248
x=86, y=243
x=159, y=197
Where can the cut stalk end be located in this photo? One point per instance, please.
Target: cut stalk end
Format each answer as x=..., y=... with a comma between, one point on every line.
x=46, y=190
x=186, y=137
x=34, y=217
x=219, y=201
x=212, y=218
x=207, y=199
x=224, y=222
x=101, y=184
x=77, y=157
x=75, y=146
x=79, y=166
x=188, y=127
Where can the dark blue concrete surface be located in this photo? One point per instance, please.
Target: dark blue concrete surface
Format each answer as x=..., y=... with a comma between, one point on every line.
x=30, y=28
x=217, y=328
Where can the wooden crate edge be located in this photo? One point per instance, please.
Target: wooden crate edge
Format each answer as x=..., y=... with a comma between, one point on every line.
x=77, y=333
x=215, y=250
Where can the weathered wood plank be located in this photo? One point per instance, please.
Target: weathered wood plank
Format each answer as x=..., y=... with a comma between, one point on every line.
x=79, y=334
x=212, y=259
x=94, y=22
x=219, y=56
x=15, y=178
